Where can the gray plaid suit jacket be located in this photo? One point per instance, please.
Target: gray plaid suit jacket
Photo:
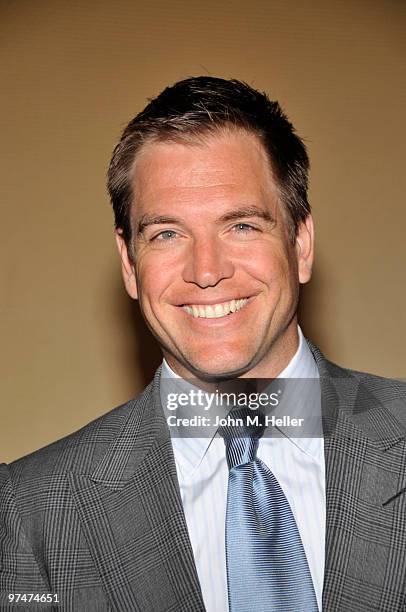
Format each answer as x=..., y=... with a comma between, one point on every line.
x=97, y=516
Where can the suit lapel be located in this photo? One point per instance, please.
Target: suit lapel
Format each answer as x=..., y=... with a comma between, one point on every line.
x=132, y=517
x=365, y=464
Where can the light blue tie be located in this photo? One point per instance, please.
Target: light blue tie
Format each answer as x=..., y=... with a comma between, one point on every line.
x=267, y=569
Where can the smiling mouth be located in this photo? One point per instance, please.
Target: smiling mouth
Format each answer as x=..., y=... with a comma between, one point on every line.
x=214, y=311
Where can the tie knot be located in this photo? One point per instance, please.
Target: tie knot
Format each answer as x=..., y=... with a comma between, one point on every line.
x=241, y=435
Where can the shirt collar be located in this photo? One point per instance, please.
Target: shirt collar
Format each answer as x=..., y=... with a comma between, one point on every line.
x=190, y=451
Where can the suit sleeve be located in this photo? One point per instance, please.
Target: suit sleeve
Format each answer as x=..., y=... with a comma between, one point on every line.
x=19, y=570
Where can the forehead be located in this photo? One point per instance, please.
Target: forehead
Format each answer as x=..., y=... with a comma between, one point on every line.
x=232, y=164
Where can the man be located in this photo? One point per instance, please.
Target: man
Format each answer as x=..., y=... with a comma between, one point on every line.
x=209, y=190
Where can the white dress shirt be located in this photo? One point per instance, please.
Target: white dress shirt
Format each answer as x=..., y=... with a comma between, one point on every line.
x=297, y=463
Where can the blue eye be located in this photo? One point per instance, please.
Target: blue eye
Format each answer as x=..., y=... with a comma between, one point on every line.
x=166, y=235
x=244, y=227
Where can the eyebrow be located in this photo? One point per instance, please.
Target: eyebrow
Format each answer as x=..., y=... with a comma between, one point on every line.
x=147, y=220
x=250, y=211
x=233, y=215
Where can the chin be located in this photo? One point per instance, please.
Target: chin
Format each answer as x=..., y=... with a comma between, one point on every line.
x=219, y=367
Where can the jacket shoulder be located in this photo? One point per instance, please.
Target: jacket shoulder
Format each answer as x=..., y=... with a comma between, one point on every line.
x=372, y=381
x=379, y=386
x=79, y=451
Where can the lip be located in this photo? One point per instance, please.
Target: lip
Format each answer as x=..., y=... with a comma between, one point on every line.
x=216, y=322
x=221, y=300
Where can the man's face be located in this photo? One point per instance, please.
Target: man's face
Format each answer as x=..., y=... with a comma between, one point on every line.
x=215, y=272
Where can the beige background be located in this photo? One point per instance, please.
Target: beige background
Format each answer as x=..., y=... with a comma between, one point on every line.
x=74, y=72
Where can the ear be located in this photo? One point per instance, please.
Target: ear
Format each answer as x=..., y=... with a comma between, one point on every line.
x=127, y=267
x=305, y=249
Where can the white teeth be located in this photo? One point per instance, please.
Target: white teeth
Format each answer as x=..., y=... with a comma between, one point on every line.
x=218, y=309
x=210, y=314
x=215, y=311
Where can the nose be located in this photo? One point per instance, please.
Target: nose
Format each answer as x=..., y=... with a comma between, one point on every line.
x=207, y=263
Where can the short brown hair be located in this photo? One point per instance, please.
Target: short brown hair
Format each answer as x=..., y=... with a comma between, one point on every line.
x=197, y=106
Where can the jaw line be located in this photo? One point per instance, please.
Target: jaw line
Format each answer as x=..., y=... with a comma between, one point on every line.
x=212, y=378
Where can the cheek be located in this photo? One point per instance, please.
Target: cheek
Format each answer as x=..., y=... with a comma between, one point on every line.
x=268, y=265
x=154, y=277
